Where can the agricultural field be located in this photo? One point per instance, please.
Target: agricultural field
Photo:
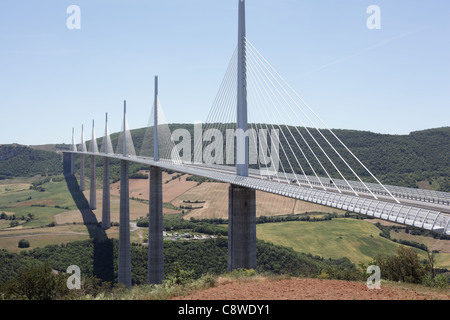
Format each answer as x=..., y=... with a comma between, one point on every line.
x=54, y=211
x=358, y=240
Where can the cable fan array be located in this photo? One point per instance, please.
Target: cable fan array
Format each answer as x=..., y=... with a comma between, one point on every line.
x=285, y=142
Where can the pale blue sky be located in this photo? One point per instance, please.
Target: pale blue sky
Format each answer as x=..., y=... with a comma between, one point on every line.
x=394, y=80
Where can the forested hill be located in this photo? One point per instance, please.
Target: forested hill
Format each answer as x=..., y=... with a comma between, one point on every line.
x=404, y=160
x=21, y=161
x=421, y=158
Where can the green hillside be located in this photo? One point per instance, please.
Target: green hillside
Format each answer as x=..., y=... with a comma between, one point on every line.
x=21, y=161
x=358, y=240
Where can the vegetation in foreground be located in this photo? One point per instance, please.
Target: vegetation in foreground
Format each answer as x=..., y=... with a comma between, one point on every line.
x=189, y=266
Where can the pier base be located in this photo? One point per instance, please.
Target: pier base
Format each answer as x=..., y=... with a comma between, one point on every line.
x=124, y=268
x=155, y=231
x=241, y=228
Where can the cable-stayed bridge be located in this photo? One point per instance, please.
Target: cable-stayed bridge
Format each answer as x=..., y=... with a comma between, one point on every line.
x=259, y=135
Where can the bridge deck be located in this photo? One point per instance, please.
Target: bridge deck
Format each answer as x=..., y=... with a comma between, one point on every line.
x=430, y=213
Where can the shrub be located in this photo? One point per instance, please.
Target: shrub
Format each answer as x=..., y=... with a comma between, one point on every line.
x=440, y=281
x=180, y=276
x=14, y=223
x=347, y=274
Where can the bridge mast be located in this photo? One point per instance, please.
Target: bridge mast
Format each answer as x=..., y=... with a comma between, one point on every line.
x=242, y=123
x=124, y=145
x=155, y=139
x=241, y=200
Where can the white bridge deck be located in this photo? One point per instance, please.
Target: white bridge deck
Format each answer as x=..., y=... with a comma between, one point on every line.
x=424, y=209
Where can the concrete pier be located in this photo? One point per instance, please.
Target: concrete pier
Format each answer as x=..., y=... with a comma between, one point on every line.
x=72, y=164
x=124, y=268
x=155, y=231
x=93, y=188
x=67, y=163
x=106, y=205
x=241, y=228
x=82, y=176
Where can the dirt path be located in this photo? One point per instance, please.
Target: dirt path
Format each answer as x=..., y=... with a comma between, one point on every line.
x=309, y=289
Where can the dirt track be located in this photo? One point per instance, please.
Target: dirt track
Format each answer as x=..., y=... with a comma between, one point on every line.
x=310, y=289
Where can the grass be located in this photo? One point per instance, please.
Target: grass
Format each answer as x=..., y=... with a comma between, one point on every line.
x=442, y=258
x=356, y=239
x=20, y=200
x=419, y=288
x=41, y=237
x=167, y=290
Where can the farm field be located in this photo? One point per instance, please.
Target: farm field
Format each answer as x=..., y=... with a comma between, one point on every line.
x=359, y=240
x=61, y=205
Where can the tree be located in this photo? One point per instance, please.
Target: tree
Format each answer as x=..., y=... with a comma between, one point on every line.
x=24, y=243
x=36, y=283
x=404, y=267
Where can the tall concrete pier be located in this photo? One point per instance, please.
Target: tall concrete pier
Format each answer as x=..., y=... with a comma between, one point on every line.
x=241, y=201
x=106, y=203
x=72, y=156
x=241, y=228
x=93, y=188
x=155, y=231
x=67, y=163
x=82, y=175
x=72, y=164
x=124, y=267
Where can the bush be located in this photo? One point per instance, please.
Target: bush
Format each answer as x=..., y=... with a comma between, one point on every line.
x=180, y=276
x=347, y=274
x=440, y=281
x=13, y=224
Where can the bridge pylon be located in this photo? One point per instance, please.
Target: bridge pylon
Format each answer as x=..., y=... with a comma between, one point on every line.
x=155, y=231
x=124, y=263
x=241, y=201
